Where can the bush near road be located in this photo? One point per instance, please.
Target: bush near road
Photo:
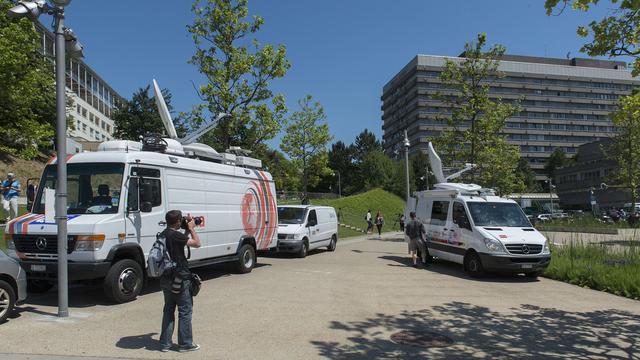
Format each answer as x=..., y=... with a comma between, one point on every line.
x=613, y=269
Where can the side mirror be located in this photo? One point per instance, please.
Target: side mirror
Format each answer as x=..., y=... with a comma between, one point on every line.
x=146, y=206
x=133, y=195
x=31, y=192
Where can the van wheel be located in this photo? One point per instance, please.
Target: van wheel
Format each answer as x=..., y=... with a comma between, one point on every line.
x=38, y=286
x=123, y=282
x=473, y=265
x=333, y=243
x=247, y=259
x=304, y=249
x=7, y=300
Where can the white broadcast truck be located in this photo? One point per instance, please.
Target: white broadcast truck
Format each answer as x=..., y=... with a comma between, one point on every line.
x=117, y=200
x=470, y=225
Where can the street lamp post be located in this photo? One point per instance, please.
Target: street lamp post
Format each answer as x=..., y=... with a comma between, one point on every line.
x=406, y=144
x=339, y=186
x=64, y=39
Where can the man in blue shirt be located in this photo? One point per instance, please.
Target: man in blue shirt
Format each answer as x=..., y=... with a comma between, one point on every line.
x=10, y=191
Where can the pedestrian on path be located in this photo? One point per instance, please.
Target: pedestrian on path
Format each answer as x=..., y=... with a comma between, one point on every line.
x=10, y=191
x=369, y=221
x=176, y=286
x=379, y=223
x=416, y=233
x=402, y=221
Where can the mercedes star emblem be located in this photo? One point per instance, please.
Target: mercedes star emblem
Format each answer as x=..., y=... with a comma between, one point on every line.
x=525, y=249
x=41, y=243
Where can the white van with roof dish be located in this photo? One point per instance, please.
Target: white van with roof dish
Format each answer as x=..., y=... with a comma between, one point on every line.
x=470, y=225
x=117, y=201
x=306, y=227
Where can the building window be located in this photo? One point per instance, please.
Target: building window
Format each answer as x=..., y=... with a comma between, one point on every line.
x=84, y=113
x=78, y=109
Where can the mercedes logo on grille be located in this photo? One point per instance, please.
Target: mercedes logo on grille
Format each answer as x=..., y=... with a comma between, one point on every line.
x=525, y=249
x=41, y=243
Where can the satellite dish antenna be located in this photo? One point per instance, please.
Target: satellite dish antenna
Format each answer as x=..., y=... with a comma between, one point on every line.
x=436, y=164
x=165, y=115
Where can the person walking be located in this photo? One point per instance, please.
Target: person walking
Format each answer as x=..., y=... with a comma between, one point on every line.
x=401, y=220
x=414, y=229
x=379, y=223
x=369, y=221
x=176, y=286
x=10, y=191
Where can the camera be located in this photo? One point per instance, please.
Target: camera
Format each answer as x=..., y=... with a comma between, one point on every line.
x=198, y=220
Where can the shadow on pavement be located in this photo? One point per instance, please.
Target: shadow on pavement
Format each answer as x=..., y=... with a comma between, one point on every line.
x=453, y=269
x=137, y=342
x=83, y=295
x=528, y=332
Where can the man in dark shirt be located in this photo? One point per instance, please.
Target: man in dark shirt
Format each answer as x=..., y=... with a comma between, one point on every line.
x=416, y=233
x=177, y=285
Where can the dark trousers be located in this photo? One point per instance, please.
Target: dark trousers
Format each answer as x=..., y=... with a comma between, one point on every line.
x=379, y=226
x=184, y=303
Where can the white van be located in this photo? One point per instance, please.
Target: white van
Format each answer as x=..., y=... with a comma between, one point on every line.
x=306, y=227
x=117, y=201
x=469, y=225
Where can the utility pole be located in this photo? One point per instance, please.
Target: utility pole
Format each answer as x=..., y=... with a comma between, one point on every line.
x=406, y=163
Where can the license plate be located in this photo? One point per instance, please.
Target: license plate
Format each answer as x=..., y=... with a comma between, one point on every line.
x=527, y=266
x=39, y=268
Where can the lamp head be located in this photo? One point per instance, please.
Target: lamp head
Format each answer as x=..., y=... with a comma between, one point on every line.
x=71, y=43
x=30, y=9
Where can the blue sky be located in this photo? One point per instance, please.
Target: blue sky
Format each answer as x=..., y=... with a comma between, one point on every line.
x=342, y=51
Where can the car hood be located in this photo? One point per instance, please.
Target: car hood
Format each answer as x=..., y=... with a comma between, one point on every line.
x=513, y=235
x=289, y=228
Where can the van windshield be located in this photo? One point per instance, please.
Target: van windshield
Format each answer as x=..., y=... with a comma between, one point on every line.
x=91, y=188
x=290, y=215
x=497, y=214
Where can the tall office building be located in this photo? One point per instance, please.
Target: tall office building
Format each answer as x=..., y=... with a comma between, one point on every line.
x=565, y=103
x=93, y=99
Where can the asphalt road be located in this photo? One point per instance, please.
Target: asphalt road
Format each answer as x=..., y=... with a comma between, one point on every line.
x=340, y=305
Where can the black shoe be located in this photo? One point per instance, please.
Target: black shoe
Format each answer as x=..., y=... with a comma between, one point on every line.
x=193, y=347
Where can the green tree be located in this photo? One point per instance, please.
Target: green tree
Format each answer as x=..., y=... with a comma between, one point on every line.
x=419, y=171
x=476, y=122
x=27, y=89
x=380, y=171
x=285, y=174
x=305, y=141
x=528, y=177
x=625, y=148
x=617, y=34
x=238, y=70
x=365, y=143
x=557, y=159
x=341, y=160
x=139, y=116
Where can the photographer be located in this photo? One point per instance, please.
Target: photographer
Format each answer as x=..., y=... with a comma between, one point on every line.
x=176, y=286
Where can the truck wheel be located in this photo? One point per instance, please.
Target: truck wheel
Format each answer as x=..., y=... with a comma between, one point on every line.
x=333, y=243
x=7, y=300
x=247, y=259
x=304, y=249
x=473, y=265
x=38, y=286
x=123, y=282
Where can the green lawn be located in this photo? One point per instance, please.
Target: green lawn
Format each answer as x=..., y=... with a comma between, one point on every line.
x=352, y=210
x=605, y=268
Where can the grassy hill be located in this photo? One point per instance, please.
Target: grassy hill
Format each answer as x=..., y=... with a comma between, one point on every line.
x=352, y=209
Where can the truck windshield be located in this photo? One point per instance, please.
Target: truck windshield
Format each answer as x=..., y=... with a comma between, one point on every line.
x=290, y=215
x=497, y=214
x=91, y=188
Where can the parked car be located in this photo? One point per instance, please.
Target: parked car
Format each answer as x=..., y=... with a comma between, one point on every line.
x=544, y=217
x=306, y=227
x=13, y=285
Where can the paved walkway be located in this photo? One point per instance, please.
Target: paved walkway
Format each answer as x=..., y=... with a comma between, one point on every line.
x=340, y=305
